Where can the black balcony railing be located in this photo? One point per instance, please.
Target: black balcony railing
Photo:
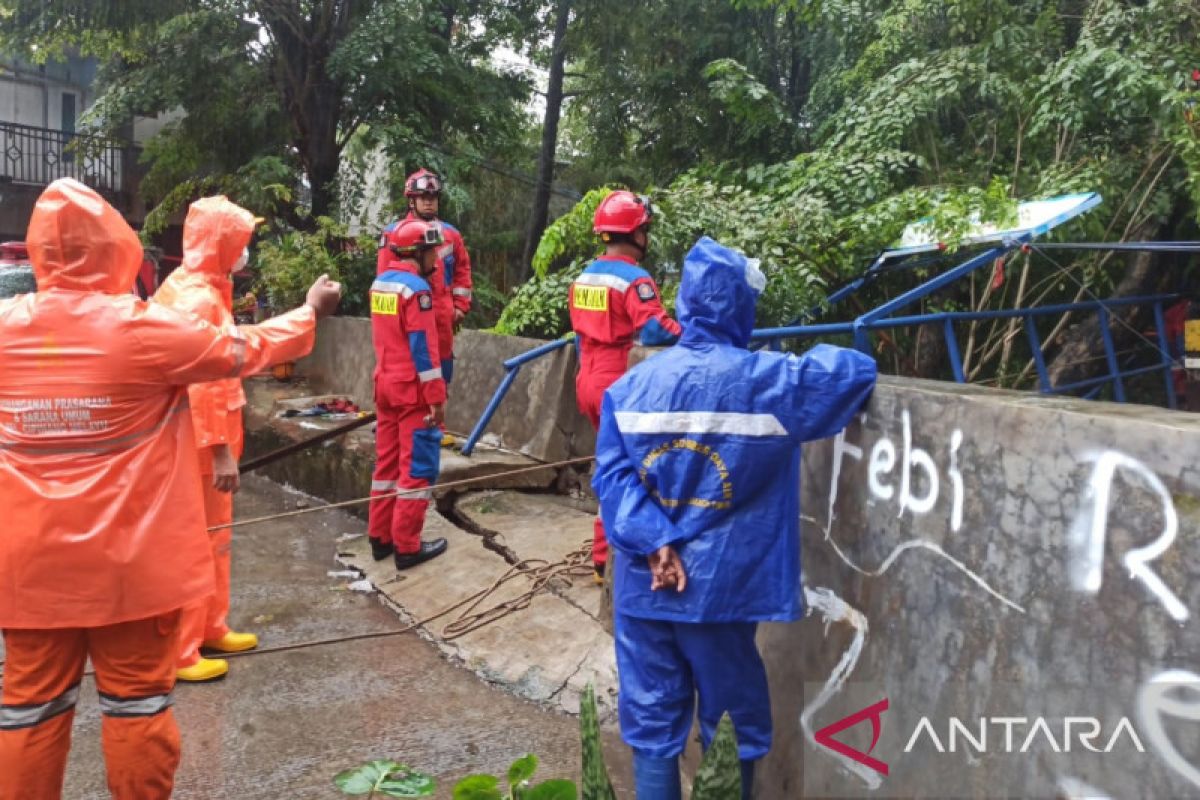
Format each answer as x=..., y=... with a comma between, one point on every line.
x=40, y=155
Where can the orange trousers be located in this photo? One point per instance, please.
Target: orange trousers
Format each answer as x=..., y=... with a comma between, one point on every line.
x=135, y=672
x=205, y=621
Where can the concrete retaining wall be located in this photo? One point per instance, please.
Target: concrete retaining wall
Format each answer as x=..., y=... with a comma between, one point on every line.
x=538, y=417
x=1012, y=574
x=989, y=556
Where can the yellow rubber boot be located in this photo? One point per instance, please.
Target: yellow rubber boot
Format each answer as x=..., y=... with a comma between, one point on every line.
x=232, y=642
x=448, y=440
x=206, y=669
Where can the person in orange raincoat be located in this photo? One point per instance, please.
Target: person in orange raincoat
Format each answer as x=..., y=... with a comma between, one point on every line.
x=104, y=540
x=216, y=234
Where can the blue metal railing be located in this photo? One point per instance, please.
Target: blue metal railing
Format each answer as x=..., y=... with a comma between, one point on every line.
x=880, y=318
x=512, y=368
x=861, y=328
x=1115, y=375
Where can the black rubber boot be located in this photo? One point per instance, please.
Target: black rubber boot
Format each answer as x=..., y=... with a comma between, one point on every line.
x=380, y=550
x=430, y=549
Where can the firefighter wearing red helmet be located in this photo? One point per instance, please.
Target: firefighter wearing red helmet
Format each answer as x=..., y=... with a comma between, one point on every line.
x=611, y=302
x=410, y=394
x=451, y=284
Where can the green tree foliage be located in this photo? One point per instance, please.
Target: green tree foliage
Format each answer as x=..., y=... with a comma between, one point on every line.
x=288, y=262
x=662, y=87
x=897, y=111
x=292, y=80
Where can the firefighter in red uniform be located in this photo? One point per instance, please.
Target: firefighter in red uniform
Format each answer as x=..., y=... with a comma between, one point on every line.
x=611, y=302
x=451, y=283
x=410, y=394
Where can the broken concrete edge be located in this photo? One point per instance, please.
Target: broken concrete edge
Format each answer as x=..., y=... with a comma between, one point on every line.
x=565, y=698
x=341, y=469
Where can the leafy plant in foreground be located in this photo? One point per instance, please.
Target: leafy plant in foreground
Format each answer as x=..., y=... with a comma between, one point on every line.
x=487, y=787
x=385, y=779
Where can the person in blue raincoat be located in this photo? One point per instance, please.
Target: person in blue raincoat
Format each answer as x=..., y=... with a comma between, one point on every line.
x=698, y=475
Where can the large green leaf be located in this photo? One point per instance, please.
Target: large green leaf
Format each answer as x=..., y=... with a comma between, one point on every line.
x=551, y=790
x=478, y=787
x=596, y=785
x=407, y=783
x=720, y=773
x=522, y=769
x=387, y=778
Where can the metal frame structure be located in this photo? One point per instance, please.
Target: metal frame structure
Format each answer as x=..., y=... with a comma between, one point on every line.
x=997, y=244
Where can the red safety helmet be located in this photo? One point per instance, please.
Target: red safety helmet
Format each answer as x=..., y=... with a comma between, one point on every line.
x=414, y=235
x=422, y=182
x=622, y=212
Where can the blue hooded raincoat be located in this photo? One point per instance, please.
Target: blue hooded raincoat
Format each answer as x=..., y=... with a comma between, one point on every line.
x=699, y=447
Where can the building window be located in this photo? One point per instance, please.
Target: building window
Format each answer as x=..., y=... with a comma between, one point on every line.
x=68, y=112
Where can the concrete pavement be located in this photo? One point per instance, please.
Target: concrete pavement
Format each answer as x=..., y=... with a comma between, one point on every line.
x=283, y=724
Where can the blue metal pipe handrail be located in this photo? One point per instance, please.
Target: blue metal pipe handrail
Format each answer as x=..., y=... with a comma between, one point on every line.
x=880, y=317
x=1004, y=313
x=858, y=327
x=512, y=367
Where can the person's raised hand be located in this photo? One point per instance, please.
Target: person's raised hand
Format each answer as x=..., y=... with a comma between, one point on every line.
x=324, y=296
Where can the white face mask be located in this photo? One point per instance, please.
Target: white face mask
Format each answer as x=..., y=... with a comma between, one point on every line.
x=242, y=261
x=755, y=276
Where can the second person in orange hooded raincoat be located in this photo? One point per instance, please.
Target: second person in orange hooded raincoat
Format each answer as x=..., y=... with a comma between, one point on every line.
x=104, y=536
x=216, y=235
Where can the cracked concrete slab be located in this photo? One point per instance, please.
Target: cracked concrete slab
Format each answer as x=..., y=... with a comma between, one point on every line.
x=547, y=651
x=494, y=464
x=533, y=526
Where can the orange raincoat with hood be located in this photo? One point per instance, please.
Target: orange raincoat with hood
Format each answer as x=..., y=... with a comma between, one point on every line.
x=215, y=234
x=98, y=471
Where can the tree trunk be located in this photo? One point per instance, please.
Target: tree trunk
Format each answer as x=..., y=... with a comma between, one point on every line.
x=545, y=171
x=323, y=158
x=312, y=97
x=931, y=355
x=1080, y=354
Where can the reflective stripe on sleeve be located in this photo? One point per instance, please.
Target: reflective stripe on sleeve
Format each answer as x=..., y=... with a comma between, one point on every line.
x=736, y=424
x=429, y=374
x=112, y=706
x=26, y=716
x=402, y=289
x=462, y=292
x=382, y=486
x=600, y=279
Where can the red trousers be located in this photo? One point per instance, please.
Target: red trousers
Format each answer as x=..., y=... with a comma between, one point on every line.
x=596, y=373
x=407, y=456
x=135, y=672
x=205, y=621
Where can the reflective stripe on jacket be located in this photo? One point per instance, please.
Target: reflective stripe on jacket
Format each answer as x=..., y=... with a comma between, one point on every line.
x=699, y=447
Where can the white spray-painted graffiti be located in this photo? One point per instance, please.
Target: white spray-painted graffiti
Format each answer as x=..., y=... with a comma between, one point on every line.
x=881, y=462
x=835, y=609
x=1155, y=702
x=1086, y=542
x=1088, y=533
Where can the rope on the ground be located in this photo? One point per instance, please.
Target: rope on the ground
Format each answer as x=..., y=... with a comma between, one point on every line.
x=494, y=476
x=471, y=617
x=543, y=573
